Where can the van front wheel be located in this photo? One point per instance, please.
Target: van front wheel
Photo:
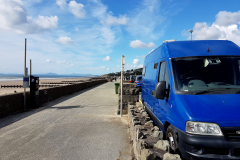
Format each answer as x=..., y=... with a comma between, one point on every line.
x=170, y=138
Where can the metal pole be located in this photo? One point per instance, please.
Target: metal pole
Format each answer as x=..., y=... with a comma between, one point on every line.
x=30, y=67
x=24, y=94
x=122, y=86
x=191, y=34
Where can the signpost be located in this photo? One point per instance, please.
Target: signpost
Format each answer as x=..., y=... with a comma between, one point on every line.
x=123, y=62
x=25, y=82
x=25, y=77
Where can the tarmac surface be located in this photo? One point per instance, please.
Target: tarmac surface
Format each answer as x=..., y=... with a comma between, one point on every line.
x=81, y=126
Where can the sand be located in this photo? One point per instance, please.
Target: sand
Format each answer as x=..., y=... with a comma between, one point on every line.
x=6, y=91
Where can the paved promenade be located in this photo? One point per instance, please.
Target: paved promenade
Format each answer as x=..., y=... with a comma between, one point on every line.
x=82, y=126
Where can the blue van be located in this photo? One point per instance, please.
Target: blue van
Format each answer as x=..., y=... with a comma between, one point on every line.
x=139, y=81
x=191, y=89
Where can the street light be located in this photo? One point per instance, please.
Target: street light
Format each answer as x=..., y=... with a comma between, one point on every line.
x=191, y=33
x=123, y=63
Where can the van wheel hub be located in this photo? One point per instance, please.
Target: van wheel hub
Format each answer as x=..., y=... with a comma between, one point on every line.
x=171, y=141
x=170, y=138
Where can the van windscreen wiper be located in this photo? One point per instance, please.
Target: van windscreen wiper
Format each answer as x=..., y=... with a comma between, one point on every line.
x=237, y=92
x=211, y=90
x=204, y=91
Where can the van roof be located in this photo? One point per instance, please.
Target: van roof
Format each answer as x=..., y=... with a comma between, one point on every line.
x=200, y=48
x=176, y=49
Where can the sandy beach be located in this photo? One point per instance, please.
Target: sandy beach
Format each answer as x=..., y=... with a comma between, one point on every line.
x=5, y=91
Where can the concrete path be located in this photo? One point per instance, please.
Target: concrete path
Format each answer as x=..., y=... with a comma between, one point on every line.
x=82, y=126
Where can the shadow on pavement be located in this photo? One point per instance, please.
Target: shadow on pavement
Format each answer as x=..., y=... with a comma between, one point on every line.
x=67, y=107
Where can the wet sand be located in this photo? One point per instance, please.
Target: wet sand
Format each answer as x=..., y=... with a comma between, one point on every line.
x=6, y=91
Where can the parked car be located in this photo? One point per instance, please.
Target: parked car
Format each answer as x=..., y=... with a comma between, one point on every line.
x=139, y=81
x=132, y=78
x=191, y=89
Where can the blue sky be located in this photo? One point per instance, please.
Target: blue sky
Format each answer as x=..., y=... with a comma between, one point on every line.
x=89, y=36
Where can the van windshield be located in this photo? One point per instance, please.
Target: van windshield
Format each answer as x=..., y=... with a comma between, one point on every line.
x=216, y=74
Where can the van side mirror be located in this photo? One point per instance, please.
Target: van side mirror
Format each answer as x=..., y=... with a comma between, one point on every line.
x=160, y=90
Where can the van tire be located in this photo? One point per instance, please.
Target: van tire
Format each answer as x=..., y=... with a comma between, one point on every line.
x=169, y=133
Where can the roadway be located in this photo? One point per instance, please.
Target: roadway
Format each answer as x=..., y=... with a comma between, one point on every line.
x=81, y=126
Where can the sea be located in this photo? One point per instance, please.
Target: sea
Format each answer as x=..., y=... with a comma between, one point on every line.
x=14, y=77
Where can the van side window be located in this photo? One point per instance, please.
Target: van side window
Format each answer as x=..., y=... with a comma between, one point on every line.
x=144, y=71
x=162, y=71
x=167, y=78
x=163, y=75
x=155, y=65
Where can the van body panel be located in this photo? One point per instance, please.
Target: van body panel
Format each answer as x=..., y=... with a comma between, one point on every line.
x=223, y=109
x=200, y=48
x=180, y=112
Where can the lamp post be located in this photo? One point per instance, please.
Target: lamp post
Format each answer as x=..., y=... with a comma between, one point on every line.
x=191, y=33
x=25, y=78
x=123, y=62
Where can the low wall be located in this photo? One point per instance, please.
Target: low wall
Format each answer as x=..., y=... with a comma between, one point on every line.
x=130, y=94
x=10, y=104
x=147, y=138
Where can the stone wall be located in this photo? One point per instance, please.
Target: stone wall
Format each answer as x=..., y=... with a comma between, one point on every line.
x=130, y=94
x=10, y=104
x=148, y=140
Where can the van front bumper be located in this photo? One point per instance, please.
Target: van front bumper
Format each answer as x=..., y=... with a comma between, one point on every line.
x=206, y=147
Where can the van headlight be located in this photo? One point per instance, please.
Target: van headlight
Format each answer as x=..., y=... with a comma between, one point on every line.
x=202, y=128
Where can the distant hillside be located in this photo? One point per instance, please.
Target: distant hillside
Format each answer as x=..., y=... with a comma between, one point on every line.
x=126, y=73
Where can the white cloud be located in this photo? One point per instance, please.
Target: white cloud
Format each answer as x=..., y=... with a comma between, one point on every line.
x=77, y=9
x=106, y=18
x=147, y=20
x=42, y=47
x=12, y=13
x=107, y=58
x=47, y=22
x=106, y=27
x=143, y=56
x=111, y=20
x=108, y=35
x=222, y=29
x=14, y=16
x=224, y=18
x=118, y=60
x=6, y=67
x=48, y=60
x=108, y=69
x=129, y=67
x=64, y=40
x=140, y=66
x=62, y=3
x=140, y=44
x=136, y=61
x=61, y=62
x=76, y=29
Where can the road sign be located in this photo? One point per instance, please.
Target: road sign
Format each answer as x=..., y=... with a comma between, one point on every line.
x=25, y=82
